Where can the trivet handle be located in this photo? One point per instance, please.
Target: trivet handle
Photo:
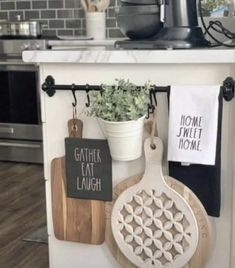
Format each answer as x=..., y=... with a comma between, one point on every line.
x=153, y=162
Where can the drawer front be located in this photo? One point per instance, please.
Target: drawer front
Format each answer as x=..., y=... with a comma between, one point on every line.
x=21, y=131
x=21, y=151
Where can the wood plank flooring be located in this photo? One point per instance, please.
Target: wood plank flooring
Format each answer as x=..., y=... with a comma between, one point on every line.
x=22, y=210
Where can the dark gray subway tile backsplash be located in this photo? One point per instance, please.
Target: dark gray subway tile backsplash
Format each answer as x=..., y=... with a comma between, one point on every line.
x=6, y=5
x=57, y=24
x=55, y=3
x=72, y=3
x=3, y=15
x=39, y=4
x=48, y=14
x=65, y=32
x=13, y=14
x=29, y=15
x=73, y=24
x=65, y=13
x=23, y=5
x=110, y=22
x=61, y=17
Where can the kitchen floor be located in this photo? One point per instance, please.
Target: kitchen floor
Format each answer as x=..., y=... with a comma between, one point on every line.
x=22, y=211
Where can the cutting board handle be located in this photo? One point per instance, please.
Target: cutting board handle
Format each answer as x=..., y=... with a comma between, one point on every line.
x=75, y=128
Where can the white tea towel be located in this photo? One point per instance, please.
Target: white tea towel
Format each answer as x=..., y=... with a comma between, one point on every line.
x=193, y=121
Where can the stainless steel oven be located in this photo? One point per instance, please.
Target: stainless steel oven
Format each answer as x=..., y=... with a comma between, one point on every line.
x=20, y=122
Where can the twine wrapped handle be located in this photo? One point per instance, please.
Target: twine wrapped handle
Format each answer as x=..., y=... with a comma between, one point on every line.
x=154, y=131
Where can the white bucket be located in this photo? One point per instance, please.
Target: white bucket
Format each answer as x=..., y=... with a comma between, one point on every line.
x=125, y=139
x=95, y=25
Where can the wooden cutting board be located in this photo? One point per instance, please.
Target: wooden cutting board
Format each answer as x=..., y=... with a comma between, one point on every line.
x=204, y=247
x=77, y=220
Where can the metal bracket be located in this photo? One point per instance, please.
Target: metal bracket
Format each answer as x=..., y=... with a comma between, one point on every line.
x=48, y=86
x=228, y=88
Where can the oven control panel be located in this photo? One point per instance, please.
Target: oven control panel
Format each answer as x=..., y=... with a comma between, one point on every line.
x=14, y=47
x=33, y=45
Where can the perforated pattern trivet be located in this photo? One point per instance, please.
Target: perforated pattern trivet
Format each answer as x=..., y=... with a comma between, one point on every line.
x=152, y=224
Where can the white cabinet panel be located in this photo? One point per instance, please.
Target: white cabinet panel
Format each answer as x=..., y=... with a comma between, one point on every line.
x=58, y=110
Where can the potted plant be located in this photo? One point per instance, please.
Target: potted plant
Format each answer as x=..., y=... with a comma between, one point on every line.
x=121, y=109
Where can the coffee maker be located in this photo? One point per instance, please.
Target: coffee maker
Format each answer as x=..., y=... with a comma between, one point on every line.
x=179, y=29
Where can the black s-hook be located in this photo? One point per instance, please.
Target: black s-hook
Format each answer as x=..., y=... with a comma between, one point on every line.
x=87, y=95
x=74, y=95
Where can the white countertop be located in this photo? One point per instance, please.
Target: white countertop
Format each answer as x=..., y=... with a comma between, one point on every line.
x=108, y=55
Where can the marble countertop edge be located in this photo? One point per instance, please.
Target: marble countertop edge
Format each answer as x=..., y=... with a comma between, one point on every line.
x=104, y=56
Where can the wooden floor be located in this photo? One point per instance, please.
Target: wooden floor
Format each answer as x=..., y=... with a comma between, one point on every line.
x=22, y=210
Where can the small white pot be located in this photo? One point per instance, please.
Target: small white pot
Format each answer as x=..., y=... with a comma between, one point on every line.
x=125, y=139
x=95, y=25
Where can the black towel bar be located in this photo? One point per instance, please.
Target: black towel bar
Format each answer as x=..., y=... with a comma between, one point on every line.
x=50, y=87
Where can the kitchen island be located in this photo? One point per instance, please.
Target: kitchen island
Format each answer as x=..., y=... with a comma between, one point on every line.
x=162, y=67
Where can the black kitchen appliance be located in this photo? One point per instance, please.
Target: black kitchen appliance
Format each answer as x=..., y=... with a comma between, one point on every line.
x=180, y=28
x=139, y=21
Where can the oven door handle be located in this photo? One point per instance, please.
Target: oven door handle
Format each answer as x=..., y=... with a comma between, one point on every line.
x=17, y=66
x=8, y=130
x=14, y=62
x=21, y=145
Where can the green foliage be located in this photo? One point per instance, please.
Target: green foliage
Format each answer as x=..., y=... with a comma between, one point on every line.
x=122, y=101
x=212, y=4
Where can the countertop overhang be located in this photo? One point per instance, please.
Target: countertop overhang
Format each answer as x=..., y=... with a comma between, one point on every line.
x=109, y=55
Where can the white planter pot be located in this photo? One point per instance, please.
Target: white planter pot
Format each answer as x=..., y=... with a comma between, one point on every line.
x=125, y=139
x=95, y=25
